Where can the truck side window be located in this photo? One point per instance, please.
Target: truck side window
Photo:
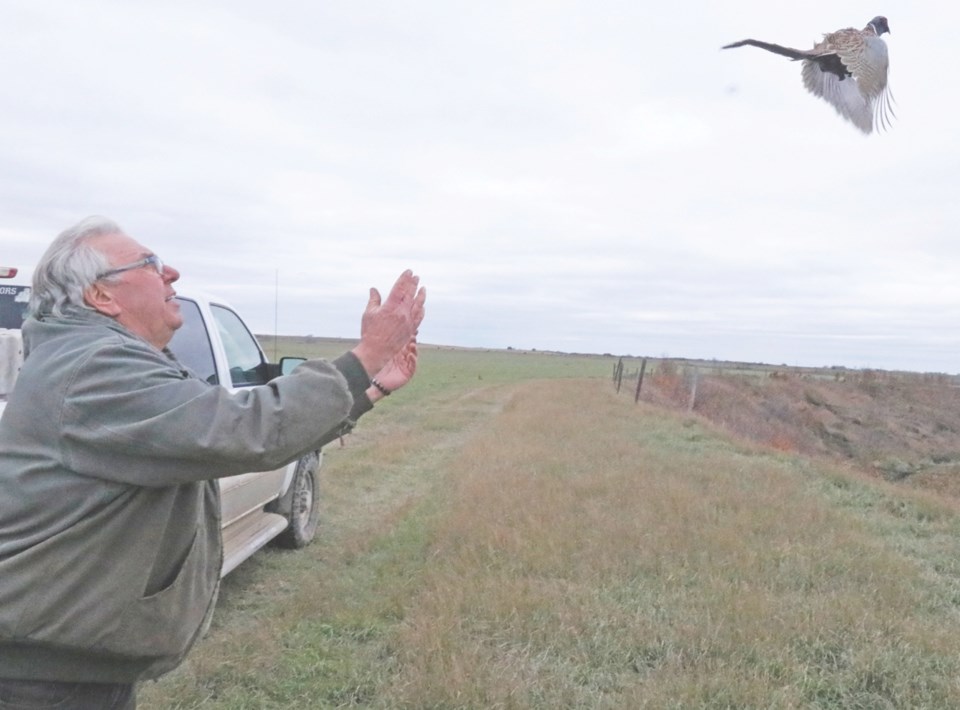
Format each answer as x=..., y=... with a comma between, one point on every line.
x=191, y=344
x=243, y=354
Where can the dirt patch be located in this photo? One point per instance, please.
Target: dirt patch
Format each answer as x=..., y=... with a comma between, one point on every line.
x=901, y=426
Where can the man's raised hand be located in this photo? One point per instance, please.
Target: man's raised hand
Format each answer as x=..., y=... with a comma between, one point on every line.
x=388, y=326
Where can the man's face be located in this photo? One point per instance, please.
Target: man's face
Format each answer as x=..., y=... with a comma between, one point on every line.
x=141, y=299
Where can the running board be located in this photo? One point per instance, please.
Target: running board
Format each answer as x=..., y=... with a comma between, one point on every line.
x=244, y=537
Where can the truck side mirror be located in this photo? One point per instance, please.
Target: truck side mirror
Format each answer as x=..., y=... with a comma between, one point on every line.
x=289, y=364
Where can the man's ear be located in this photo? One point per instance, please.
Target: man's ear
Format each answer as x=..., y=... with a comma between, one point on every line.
x=100, y=299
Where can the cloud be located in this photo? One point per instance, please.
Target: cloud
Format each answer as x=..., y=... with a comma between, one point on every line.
x=563, y=175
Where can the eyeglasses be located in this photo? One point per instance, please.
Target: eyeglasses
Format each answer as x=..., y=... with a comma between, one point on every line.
x=152, y=260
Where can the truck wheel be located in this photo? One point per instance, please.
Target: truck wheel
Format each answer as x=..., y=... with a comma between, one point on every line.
x=301, y=504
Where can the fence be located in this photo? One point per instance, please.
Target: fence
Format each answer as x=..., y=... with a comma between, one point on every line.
x=685, y=375
x=690, y=373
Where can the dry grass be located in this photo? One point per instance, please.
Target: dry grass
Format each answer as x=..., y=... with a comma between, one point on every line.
x=632, y=566
x=531, y=544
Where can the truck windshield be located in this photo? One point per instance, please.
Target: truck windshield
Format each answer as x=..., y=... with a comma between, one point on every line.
x=191, y=344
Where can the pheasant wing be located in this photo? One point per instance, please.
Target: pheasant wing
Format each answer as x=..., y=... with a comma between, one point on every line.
x=863, y=98
x=844, y=95
x=865, y=57
x=869, y=66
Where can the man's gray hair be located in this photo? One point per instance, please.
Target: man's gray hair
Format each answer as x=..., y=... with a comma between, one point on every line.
x=69, y=266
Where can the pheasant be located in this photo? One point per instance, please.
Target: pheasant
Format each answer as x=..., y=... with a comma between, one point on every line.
x=848, y=69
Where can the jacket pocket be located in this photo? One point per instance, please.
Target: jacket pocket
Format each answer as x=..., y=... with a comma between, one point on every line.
x=86, y=587
x=165, y=623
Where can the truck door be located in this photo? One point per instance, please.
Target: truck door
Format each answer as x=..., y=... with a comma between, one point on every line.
x=248, y=368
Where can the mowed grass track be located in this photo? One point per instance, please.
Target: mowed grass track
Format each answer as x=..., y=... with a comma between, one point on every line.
x=509, y=533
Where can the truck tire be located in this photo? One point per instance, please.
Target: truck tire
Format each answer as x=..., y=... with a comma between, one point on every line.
x=301, y=504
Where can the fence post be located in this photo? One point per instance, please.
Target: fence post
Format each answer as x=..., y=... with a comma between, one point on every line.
x=618, y=374
x=643, y=367
x=693, y=388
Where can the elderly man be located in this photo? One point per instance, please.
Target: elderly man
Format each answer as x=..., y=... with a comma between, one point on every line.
x=110, y=547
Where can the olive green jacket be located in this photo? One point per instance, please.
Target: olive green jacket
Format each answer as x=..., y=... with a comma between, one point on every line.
x=110, y=549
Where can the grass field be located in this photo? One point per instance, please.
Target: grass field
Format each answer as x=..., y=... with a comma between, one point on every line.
x=510, y=533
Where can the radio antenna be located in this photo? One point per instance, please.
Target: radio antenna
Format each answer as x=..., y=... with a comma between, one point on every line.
x=276, y=310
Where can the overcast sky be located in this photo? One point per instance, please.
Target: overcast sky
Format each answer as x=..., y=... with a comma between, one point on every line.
x=581, y=176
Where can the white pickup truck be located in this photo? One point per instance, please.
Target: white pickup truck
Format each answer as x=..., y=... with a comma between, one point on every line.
x=280, y=505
